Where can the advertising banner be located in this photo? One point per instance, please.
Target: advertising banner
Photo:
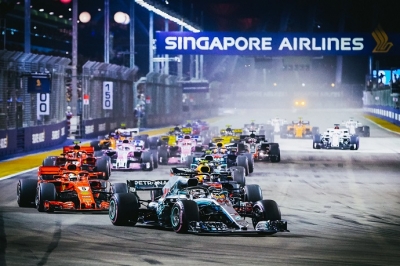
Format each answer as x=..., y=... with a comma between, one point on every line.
x=278, y=44
x=195, y=87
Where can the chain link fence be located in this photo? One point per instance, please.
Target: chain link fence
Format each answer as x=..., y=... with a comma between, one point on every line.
x=18, y=108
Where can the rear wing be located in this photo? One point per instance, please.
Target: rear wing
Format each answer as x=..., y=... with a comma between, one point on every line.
x=186, y=130
x=87, y=149
x=237, y=130
x=135, y=185
x=180, y=171
x=49, y=170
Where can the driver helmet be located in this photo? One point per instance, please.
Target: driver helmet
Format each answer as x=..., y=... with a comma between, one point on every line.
x=72, y=177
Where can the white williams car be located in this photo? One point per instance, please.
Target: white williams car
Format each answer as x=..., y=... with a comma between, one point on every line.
x=277, y=123
x=336, y=138
x=356, y=127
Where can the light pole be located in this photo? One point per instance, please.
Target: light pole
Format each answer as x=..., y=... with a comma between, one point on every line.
x=74, y=85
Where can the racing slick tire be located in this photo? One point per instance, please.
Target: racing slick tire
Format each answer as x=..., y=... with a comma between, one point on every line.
x=274, y=153
x=241, y=160
x=366, y=132
x=153, y=143
x=316, y=141
x=241, y=148
x=239, y=169
x=103, y=165
x=124, y=209
x=354, y=142
x=265, y=210
x=45, y=192
x=250, y=161
x=49, y=161
x=238, y=175
x=96, y=145
x=189, y=161
x=163, y=156
x=147, y=158
x=119, y=188
x=26, y=192
x=155, y=158
x=252, y=193
x=182, y=213
x=315, y=130
x=283, y=132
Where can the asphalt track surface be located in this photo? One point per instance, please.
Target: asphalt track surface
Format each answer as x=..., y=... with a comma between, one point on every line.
x=342, y=208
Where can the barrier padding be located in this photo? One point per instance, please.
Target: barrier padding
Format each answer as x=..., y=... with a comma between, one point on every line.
x=19, y=164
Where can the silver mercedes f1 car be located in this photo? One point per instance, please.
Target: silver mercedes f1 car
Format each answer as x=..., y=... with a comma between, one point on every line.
x=184, y=205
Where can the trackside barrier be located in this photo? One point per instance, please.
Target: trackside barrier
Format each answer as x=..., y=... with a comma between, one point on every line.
x=383, y=103
x=387, y=113
x=32, y=138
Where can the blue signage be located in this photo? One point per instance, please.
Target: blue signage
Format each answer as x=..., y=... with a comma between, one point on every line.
x=278, y=44
x=39, y=83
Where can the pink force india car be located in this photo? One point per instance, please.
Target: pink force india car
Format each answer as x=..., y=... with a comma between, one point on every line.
x=177, y=154
x=132, y=156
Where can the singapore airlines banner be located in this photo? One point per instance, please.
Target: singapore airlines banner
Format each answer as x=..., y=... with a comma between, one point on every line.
x=278, y=44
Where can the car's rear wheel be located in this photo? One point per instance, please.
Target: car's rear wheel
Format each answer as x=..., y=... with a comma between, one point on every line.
x=147, y=160
x=103, y=165
x=163, y=156
x=238, y=175
x=252, y=193
x=155, y=158
x=49, y=161
x=241, y=160
x=119, y=188
x=250, y=161
x=124, y=209
x=274, y=153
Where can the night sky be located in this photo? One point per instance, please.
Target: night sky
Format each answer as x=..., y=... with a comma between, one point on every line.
x=238, y=16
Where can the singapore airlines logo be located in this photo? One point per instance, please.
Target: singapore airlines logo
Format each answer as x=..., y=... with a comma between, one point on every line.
x=381, y=38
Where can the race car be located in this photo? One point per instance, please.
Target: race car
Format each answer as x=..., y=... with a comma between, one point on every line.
x=277, y=124
x=356, y=127
x=300, y=103
x=227, y=135
x=260, y=149
x=185, y=206
x=232, y=155
x=199, y=127
x=211, y=166
x=177, y=153
x=265, y=130
x=132, y=156
x=82, y=157
x=336, y=138
x=111, y=140
x=298, y=129
x=66, y=189
x=251, y=127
